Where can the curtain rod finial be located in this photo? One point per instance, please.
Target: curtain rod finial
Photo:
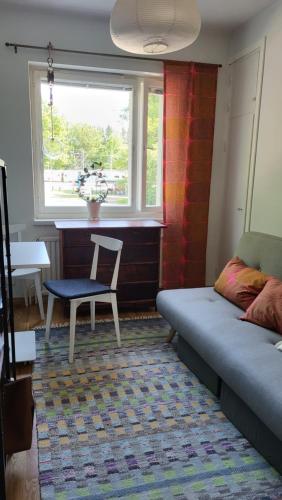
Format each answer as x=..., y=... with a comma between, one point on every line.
x=8, y=44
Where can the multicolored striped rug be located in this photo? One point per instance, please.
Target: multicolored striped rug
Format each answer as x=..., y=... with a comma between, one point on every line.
x=135, y=423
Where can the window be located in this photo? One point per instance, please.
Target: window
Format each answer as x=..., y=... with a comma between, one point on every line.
x=154, y=148
x=112, y=119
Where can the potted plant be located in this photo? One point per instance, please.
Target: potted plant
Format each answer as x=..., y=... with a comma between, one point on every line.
x=92, y=187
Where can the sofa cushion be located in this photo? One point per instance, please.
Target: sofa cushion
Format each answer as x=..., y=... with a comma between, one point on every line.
x=239, y=283
x=241, y=353
x=266, y=310
x=261, y=251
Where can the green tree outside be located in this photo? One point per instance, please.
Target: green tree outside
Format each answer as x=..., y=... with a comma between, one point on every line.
x=153, y=144
x=78, y=145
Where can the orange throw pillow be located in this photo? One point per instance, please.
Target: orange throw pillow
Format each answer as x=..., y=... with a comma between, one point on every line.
x=240, y=284
x=266, y=310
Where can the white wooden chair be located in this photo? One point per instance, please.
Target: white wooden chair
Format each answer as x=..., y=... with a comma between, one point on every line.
x=27, y=275
x=78, y=291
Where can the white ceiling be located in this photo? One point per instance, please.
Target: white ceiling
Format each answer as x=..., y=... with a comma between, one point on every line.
x=227, y=14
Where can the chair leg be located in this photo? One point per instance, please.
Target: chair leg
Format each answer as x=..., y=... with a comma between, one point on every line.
x=92, y=312
x=115, y=314
x=73, y=307
x=25, y=293
x=37, y=283
x=51, y=299
x=29, y=291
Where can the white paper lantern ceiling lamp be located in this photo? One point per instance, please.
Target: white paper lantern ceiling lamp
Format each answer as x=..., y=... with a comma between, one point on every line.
x=154, y=26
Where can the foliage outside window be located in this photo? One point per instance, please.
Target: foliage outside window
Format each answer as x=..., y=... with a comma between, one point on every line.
x=154, y=148
x=97, y=118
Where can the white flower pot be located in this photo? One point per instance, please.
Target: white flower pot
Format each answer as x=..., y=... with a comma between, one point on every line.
x=93, y=210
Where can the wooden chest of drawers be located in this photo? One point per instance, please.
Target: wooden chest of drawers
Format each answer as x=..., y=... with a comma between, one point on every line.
x=138, y=281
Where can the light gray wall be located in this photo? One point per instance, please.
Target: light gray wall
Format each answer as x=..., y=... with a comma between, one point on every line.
x=80, y=33
x=218, y=181
x=268, y=20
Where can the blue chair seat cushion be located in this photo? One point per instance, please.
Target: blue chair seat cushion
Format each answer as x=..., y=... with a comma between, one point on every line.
x=76, y=288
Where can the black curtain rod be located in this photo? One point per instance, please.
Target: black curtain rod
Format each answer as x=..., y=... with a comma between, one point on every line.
x=69, y=51
x=84, y=52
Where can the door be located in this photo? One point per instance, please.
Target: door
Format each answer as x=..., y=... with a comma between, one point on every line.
x=244, y=74
x=266, y=207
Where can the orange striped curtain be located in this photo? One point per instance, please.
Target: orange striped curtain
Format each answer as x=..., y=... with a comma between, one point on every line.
x=189, y=115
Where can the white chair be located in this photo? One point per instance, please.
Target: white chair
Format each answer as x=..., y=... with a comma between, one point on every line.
x=78, y=291
x=28, y=275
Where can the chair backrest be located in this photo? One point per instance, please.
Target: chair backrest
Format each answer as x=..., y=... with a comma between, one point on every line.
x=110, y=244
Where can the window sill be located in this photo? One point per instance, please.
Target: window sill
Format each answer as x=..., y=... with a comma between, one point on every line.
x=50, y=222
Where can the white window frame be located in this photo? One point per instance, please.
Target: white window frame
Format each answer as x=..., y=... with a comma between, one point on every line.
x=141, y=85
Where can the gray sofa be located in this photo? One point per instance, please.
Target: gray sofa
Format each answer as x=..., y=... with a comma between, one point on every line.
x=237, y=360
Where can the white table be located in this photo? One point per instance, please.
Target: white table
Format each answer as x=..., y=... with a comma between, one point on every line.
x=28, y=254
x=24, y=255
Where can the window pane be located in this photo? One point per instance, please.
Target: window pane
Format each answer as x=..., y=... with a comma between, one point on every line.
x=154, y=150
x=90, y=124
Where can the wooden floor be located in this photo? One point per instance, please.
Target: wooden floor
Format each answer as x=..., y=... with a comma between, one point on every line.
x=22, y=468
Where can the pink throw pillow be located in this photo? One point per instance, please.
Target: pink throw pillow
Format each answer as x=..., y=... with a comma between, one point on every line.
x=239, y=283
x=266, y=310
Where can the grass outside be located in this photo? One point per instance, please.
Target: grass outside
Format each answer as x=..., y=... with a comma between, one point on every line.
x=68, y=194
